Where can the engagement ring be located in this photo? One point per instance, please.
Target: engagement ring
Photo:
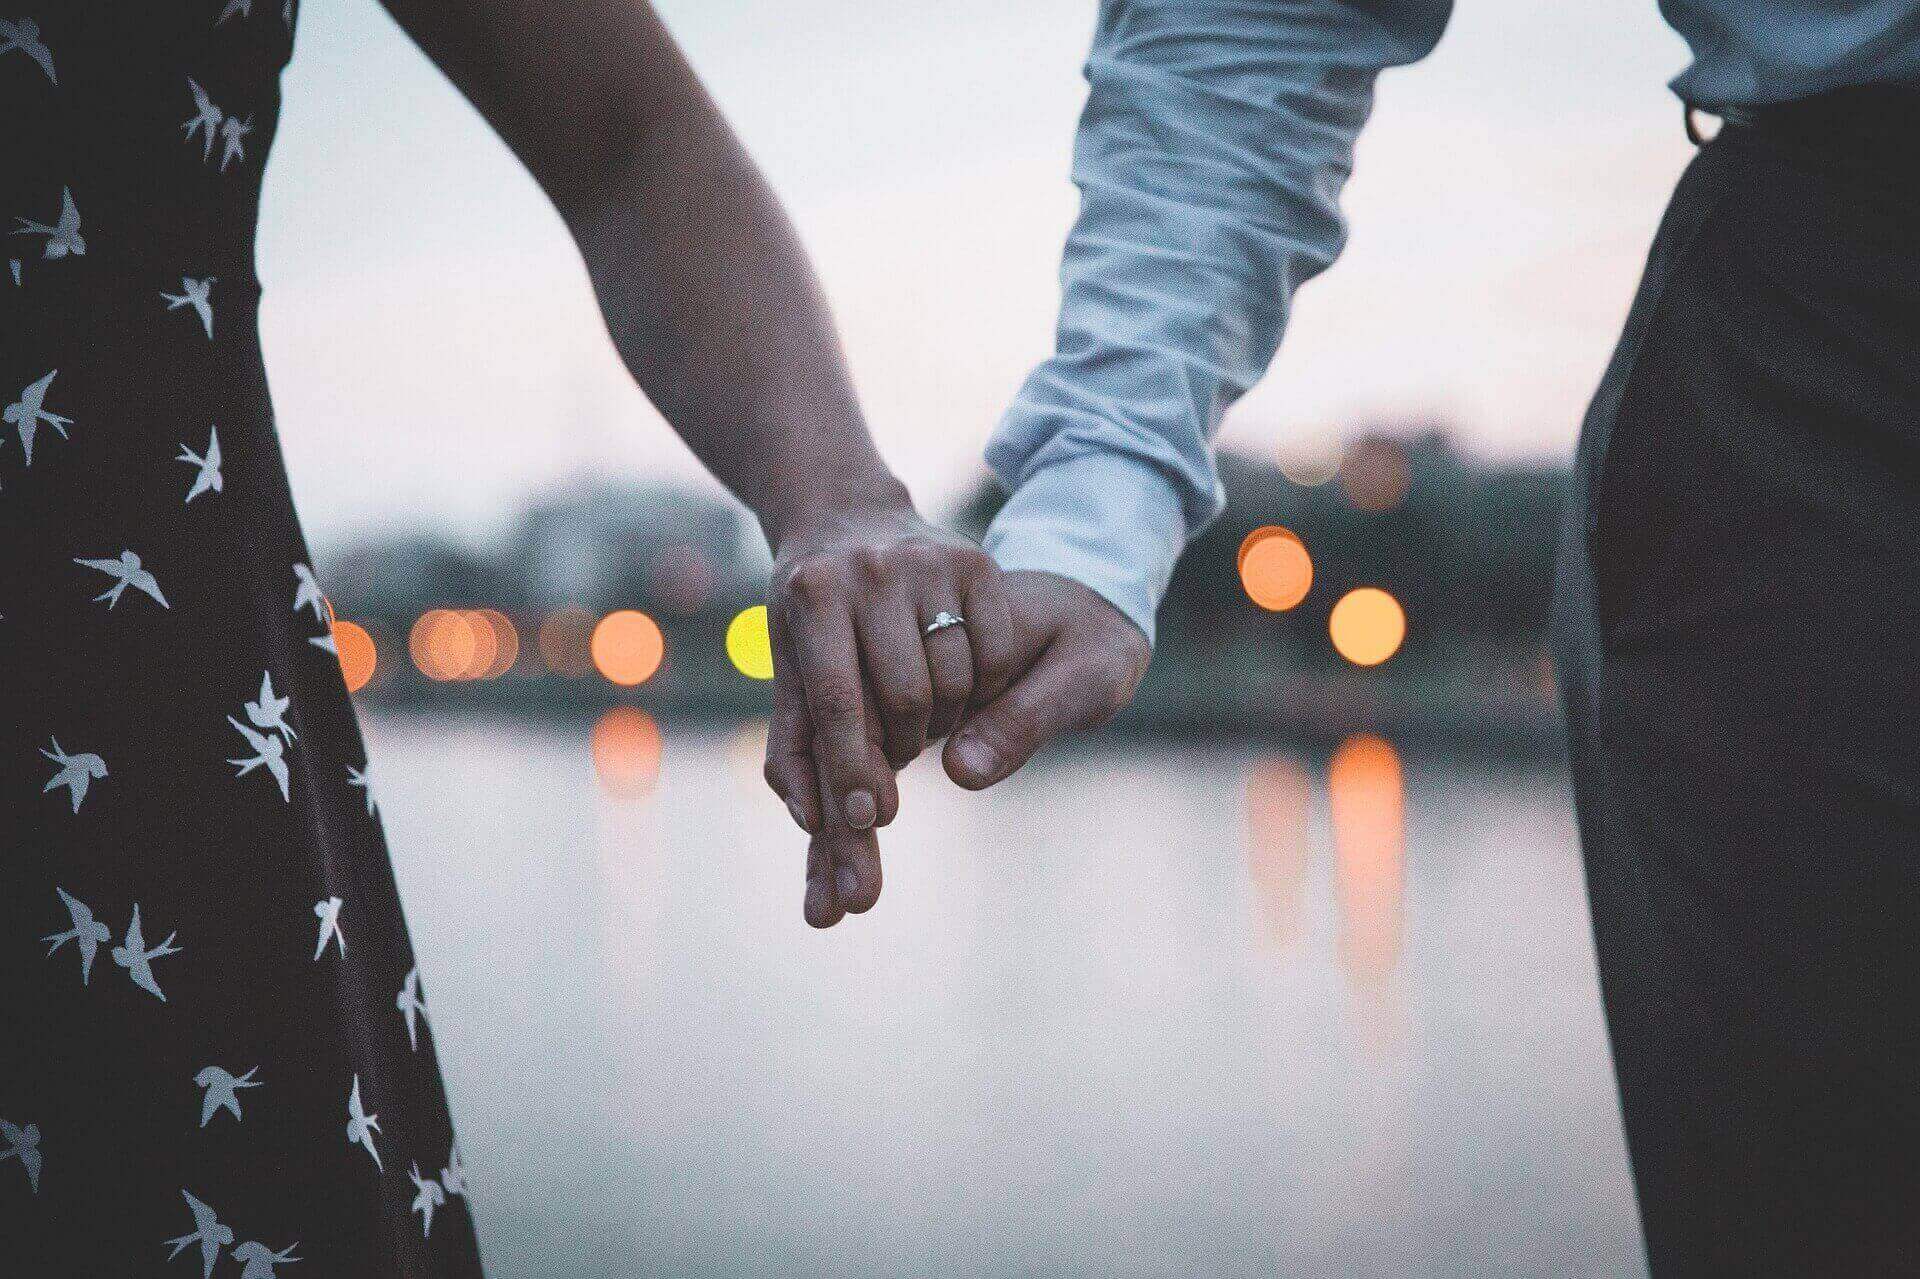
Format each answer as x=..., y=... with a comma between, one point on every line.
x=943, y=619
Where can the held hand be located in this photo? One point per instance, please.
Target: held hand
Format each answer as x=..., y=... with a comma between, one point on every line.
x=1081, y=661
x=860, y=687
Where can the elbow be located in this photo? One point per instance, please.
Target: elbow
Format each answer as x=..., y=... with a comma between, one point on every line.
x=603, y=166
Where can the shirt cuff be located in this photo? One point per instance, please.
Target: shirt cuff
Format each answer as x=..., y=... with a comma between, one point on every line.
x=1105, y=519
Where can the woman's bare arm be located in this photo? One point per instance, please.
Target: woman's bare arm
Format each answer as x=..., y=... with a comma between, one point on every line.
x=713, y=305
x=705, y=287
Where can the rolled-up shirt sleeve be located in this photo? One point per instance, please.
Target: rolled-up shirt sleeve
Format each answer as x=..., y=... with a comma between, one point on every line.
x=1210, y=159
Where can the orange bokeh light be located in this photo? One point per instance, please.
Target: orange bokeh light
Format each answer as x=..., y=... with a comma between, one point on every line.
x=626, y=751
x=628, y=647
x=359, y=656
x=505, y=643
x=1275, y=568
x=1376, y=475
x=1367, y=626
x=463, y=644
x=563, y=642
x=441, y=644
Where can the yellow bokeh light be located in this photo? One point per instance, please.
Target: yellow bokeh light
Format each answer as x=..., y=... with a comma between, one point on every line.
x=1367, y=626
x=628, y=647
x=1275, y=568
x=359, y=656
x=626, y=751
x=749, y=645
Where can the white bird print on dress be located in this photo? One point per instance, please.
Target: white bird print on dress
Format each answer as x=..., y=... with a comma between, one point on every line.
x=196, y=294
x=428, y=1196
x=24, y=35
x=270, y=712
x=206, y=118
x=138, y=960
x=127, y=568
x=325, y=643
x=454, y=1175
x=76, y=771
x=329, y=913
x=222, y=1091
x=268, y=750
x=361, y=1126
x=30, y=411
x=235, y=8
x=23, y=1144
x=207, y=1232
x=87, y=933
x=259, y=1260
x=233, y=132
x=412, y=1005
x=208, y=478
x=63, y=237
x=363, y=778
x=307, y=594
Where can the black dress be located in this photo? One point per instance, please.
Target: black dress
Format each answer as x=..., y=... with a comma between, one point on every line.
x=205, y=980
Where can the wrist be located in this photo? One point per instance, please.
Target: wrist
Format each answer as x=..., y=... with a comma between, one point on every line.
x=833, y=496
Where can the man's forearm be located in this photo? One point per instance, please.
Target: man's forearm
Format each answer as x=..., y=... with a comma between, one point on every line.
x=1210, y=158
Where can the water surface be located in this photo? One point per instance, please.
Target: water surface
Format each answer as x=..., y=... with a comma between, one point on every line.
x=1141, y=1011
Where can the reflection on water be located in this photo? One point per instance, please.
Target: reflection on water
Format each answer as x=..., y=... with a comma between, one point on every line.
x=1278, y=799
x=626, y=751
x=1366, y=801
x=1139, y=1011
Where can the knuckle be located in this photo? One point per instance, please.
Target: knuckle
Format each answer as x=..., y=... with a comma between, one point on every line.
x=870, y=562
x=919, y=552
x=974, y=564
x=811, y=580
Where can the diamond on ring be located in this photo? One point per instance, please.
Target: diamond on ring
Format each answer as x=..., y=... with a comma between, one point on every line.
x=943, y=619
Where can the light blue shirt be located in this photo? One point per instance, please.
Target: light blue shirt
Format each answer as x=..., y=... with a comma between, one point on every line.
x=1210, y=160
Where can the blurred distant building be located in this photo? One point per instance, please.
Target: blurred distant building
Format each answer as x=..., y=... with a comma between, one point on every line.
x=603, y=543
x=1399, y=587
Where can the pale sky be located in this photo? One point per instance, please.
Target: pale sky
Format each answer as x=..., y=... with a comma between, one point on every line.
x=436, y=356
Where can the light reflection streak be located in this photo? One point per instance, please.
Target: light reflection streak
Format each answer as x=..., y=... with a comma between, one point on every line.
x=1279, y=795
x=1366, y=802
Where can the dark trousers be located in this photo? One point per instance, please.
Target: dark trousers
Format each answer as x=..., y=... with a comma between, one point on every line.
x=1738, y=632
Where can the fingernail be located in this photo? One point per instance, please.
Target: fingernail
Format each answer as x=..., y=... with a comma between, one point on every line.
x=861, y=811
x=974, y=755
x=848, y=883
x=799, y=815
